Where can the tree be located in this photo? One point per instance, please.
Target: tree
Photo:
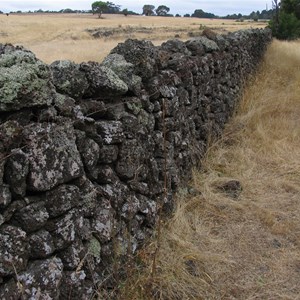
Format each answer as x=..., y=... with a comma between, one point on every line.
x=199, y=13
x=100, y=7
x=285, y=24
x=148, y=10
x=162, y=10
x=125, y=12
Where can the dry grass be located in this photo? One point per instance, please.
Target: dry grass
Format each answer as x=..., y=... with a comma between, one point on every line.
x=217, y=247
x=63, y=36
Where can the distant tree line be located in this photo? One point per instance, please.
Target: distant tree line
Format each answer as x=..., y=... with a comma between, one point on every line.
x=101, y=7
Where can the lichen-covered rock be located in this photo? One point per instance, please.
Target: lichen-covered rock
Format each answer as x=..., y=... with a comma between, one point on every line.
x=32, y=217
x=142, y=54
x=200, y=45
x=61, y=199
x=131, y=158
x=105, y=174
x=104, y=222
x=76, y=286
x=41, y=244
x=108, y=154
x=52, y=154
x=89, y=151
x=42, y=279
x=110, y=131
x=10, y=135
x=16, y=171
x=195, y=46
x=124, y=70
x=63, y=230
x=72, y=255
x=64, y=105
x=68, y=79
x=14, y=250
x=10, y=290
x=117, y=193
x=175, y=46
x=103, y=82
x=24, y=80
x=5, y=196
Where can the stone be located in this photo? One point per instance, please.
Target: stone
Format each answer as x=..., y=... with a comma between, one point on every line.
x=61, y=199
x=53, y=155
x=175, y=46
x=16, y=171
x=71, y=256
x=48, y=114
x=32, y=217
x=117, y=193
x=130, y=208
x=14, y=250
x=93, y=108
x=5, y=196
x=24, y=80
x=90, y=152
x=103, y=224
x=124, y=70
x=10, y=290
x=108, y=154
x=105, y=174
x=64, y=105
x=42, y=279
x=209, y=45
x=63, y=229
x=68, y=78
x=148, y=208
x=41, y=244
x=103, y=82
x=130, y=159
x=10, y=135
x=76, y=286
x=142, y=54
x=110, y=131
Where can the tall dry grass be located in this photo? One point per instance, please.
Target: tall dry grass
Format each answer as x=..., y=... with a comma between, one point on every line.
x=219, y=247
x=63, y=36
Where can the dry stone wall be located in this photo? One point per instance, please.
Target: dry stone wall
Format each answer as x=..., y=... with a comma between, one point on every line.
x=85, y=148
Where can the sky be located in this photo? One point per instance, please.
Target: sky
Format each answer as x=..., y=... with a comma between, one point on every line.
x=218, y=7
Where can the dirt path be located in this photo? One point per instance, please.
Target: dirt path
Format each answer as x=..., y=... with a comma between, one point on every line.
x=243, y=243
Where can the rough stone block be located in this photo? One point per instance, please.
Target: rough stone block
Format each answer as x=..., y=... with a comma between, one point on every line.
x=52, y=154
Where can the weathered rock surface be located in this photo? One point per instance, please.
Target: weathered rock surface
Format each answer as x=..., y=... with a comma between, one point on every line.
x=24, y=80
x=68, y=79
x=53, y=155
x=124, y=70
x=87, y=150
x=16, y=171
x=103, y=82
x=42, y=279
x=14, y=250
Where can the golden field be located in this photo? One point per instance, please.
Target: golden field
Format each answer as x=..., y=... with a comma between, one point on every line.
x=63, y=36
x=219, y=247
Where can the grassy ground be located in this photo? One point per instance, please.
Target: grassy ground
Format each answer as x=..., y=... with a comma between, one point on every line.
x=220, y=247
x=63, y=36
